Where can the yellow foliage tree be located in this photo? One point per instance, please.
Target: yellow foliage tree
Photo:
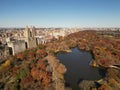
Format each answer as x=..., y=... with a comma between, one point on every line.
x=7, y=63
x=5, y=66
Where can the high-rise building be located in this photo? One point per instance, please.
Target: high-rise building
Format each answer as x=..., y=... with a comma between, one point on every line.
x=30, y=39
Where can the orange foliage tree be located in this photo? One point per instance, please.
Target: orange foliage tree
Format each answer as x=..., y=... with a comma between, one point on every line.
x=21, y=56
x=31, y=55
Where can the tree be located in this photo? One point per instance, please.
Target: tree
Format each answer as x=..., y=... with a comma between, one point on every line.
x=5, y=65
x=61, y=69
x=20, y=56
x=26, y=81
x=41, y=52
x=31, y=55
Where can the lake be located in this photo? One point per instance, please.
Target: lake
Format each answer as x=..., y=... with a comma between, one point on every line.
x=77, y=64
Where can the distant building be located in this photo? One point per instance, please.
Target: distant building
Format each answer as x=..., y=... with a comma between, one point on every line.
x=16, y=46
x=57, y=33
x=4, y=51
x=30, y=39
x=22, y=43
x=20, y=40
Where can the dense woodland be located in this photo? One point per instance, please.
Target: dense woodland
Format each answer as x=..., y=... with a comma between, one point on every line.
x=33, y=70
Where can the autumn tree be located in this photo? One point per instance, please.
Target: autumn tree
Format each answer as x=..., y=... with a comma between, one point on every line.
x=20, y=56
x=31, y=55
x=5, y=65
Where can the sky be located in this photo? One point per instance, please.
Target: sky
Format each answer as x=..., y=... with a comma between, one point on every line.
x=60, y=13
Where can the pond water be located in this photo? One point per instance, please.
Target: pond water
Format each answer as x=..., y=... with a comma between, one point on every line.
x=77, y=64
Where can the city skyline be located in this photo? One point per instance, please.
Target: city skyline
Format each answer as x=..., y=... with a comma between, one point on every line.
x=60, y=13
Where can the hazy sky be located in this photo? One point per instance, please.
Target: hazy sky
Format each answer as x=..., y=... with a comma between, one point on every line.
x=60, y=13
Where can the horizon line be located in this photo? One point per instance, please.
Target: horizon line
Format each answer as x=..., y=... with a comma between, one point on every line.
x=58, y=27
